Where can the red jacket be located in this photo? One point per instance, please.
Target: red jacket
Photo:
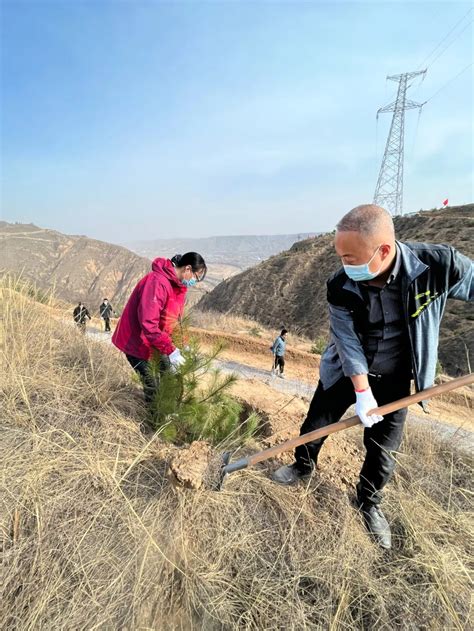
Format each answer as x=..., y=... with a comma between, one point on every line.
x=151, y=313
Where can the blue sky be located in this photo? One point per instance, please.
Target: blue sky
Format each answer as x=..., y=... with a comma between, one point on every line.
x=128, y=120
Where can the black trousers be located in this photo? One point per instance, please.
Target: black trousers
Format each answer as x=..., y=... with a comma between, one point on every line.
x=107, y=324
x=279, y=363
x=328, y=406
x=150, y=381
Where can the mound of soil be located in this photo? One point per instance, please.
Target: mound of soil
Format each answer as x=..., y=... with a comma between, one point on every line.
x=190, y=464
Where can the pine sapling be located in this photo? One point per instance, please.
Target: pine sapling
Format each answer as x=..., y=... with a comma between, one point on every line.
x=194, y=403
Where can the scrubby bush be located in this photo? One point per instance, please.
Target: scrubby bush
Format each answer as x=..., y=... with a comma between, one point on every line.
x=319, y=346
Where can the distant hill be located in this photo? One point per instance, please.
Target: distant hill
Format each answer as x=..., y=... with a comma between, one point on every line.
x=78, y=267
x=290, y=288
x=239, y=252
x=85, y=269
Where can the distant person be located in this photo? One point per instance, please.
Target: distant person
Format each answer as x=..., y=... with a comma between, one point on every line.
x=386, y=303
x=151, y=314
x=106, y=310
x=278, y=349
x=80, y=314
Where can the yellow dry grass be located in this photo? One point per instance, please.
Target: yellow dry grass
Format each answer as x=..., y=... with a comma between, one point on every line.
x=94, y=535
x=245, y=327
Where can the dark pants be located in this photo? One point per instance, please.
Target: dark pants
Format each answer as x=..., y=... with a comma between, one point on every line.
x=328, y=406
x=107, y=324
x=150, y=381
x=279, y=363
x=81, y=326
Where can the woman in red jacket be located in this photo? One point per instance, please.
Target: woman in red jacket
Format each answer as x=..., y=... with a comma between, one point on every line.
x=152, y=312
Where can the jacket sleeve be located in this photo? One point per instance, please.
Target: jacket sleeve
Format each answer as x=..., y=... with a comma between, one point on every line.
x=347, y=342
x=461, y=277
x=152, y=302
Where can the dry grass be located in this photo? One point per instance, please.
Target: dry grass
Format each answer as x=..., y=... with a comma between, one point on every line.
x=238, y=325
x=94, y=535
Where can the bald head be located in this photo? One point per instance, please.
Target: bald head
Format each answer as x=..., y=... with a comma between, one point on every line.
x=368, y=220
x=366, y=234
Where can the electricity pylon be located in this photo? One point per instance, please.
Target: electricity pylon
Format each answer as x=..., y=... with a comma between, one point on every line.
x=389, y=189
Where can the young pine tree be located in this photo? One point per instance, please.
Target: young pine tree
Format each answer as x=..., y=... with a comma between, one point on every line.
x=194, y=403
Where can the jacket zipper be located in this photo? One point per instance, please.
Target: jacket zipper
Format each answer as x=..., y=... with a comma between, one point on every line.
x=412, y=353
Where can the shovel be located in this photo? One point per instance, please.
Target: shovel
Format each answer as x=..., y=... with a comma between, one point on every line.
x=229, y=467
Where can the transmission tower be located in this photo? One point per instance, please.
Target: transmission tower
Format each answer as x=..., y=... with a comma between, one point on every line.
x=389, y=189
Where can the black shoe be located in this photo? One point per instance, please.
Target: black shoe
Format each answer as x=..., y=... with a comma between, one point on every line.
x=377, y=525
x=289, y=474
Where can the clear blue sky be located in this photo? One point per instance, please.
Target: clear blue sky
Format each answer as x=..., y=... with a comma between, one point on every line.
x=128, y=119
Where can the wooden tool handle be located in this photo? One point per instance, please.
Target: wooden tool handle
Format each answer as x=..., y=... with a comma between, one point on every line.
x=354, y=420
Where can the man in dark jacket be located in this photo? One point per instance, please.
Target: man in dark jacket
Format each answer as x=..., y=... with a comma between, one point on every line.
x=80, y=314
x=106, y=310
x=385, y=308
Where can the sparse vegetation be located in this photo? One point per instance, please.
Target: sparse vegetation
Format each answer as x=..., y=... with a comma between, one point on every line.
x=95, y=536
x=439, y=370
x=319, y=345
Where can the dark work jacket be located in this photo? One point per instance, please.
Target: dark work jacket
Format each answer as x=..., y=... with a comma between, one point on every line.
x=430, y=275
x=80, y=314
x=106, y=310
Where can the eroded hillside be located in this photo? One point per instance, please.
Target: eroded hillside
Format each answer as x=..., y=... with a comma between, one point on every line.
x=78, y=268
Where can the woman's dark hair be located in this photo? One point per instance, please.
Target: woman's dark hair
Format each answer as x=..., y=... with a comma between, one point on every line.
x=195, y=260
x=283, y=332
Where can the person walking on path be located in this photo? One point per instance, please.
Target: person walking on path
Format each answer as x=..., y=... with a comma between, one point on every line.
x=152, y=312
x=80, y=314
x=385, y=308
x=106, y=310
x=278, y=349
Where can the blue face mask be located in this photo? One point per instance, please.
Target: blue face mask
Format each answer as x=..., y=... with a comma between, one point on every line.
x=189, y=283
x=360, y=273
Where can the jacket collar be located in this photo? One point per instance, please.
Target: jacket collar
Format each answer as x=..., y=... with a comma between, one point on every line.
x=412, y=265
x=411, y=268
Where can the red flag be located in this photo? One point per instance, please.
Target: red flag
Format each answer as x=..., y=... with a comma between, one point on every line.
x=445, y=203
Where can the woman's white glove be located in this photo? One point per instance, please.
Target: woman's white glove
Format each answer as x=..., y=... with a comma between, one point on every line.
x=365, y=401
x=176, y=359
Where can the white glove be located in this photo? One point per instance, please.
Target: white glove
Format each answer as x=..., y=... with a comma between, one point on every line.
x=365, y=401
x=176, y=359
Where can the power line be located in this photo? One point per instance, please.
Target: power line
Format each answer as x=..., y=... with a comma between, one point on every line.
x=444, y=38
x=450, y=44
x=446, y=47
x=416, y=131
x=376, y=144
x=450, y=81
